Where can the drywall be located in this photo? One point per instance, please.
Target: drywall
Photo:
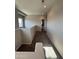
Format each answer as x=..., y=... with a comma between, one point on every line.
x=26, y=36
x=34, y=29
x=18, y=38
x=32, y=20
x=55, y=25
x=32, y=24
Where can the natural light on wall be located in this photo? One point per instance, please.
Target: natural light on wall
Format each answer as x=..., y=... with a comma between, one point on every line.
x=49, y=53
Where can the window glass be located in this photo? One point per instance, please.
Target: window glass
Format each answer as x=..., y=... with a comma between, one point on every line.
x=20, y=21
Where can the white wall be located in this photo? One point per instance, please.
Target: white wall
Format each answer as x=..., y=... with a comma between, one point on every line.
x=18, y=38
x=32, y=20
x=55, y=25
x=26, y=36
x=32, y=24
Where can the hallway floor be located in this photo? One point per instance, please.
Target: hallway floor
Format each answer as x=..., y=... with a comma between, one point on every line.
x=41, y=37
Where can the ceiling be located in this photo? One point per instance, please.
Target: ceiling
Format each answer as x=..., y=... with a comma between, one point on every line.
x=34, y=7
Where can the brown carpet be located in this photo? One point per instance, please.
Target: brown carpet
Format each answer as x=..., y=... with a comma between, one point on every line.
x=26, y=47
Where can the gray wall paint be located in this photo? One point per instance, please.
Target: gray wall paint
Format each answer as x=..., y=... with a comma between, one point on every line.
x=55, y=25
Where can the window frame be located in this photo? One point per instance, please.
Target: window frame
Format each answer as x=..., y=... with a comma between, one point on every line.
x=23, y=17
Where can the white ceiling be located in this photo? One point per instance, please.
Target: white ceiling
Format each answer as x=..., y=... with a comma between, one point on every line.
x=34, y=7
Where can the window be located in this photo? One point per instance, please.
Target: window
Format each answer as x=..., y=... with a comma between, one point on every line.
x=21, y=21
